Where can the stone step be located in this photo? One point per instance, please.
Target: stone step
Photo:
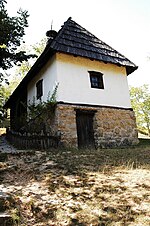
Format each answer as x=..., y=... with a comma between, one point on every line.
x=6, y=204
x=6, y=201
x=6, y=219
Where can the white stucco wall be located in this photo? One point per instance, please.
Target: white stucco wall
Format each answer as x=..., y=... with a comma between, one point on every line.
x=49, y=76
x=71, y=73
x=75, y=87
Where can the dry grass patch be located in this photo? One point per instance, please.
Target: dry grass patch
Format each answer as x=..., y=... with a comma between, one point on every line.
x=81, y=187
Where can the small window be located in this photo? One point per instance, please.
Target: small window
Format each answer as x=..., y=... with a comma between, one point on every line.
x=96, y=79
x=39, y=89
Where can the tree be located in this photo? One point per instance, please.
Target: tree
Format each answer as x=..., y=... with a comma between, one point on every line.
x=39, y=47
x=6, y=89
x=25, y=66
x=5, y=92
x=140, y=101
x=3, y=95
x=12, y=30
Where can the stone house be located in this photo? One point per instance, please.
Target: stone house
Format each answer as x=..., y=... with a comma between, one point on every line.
x=93, y=103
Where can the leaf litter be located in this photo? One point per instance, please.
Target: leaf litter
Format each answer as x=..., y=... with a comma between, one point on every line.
x=80, y=187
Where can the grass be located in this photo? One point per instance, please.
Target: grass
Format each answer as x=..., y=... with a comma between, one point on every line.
x=144, y=142
x=106, y=187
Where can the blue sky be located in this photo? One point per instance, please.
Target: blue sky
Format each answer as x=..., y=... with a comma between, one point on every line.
x=123, y=24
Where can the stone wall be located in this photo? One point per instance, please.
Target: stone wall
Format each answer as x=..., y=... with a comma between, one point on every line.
x=66, y=125
x=113, y=127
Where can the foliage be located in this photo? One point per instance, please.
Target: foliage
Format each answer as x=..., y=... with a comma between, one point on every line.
x=7, y=88
x=25, y=66
x=35, y=110
x=23, y=69
x=39, y=47
x=15, y=216
x=5, y=92
x=11, y=36
x=38, y=114
x=140, y=101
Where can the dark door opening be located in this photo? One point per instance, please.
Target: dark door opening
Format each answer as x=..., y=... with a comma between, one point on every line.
x=85, y=131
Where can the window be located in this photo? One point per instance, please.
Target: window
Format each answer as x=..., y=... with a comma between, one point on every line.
x=39, y=89
x=96, y=79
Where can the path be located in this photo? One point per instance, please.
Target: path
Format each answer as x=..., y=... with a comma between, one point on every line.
x=5, y=147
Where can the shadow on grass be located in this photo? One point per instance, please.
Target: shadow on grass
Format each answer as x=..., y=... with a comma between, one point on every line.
x=144, y=142
x=74, y=161
x=90, y=187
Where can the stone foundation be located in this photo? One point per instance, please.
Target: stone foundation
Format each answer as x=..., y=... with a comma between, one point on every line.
x=66, y=124
x=113, y=127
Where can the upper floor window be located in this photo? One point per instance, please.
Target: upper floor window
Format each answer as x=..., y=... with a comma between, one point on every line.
x=96, y=79
x=39, y=89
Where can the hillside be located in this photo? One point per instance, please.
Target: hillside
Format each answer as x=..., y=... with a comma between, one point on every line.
x=78, y=187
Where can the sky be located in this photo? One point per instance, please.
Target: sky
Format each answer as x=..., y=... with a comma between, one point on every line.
x=122, y=24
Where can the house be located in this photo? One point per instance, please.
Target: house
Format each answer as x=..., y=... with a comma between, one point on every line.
x=93, y=102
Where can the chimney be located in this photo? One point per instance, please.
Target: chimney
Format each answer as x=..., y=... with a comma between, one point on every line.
x=51, y=34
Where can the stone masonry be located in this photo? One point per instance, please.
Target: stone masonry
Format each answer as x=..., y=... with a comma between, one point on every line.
x=66, y=125
x=113, y=127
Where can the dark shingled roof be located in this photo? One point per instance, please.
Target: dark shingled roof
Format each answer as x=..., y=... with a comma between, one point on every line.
x=75, y=40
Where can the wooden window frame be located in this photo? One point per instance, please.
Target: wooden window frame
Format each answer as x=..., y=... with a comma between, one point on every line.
x=39, y=89
x=96, y=79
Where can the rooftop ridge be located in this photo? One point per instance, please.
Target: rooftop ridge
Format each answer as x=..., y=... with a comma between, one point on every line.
x=74, y=39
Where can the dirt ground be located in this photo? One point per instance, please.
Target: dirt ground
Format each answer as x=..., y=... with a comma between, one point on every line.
x=78, y=187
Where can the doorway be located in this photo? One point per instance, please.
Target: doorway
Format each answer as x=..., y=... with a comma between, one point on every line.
x=85, y=132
